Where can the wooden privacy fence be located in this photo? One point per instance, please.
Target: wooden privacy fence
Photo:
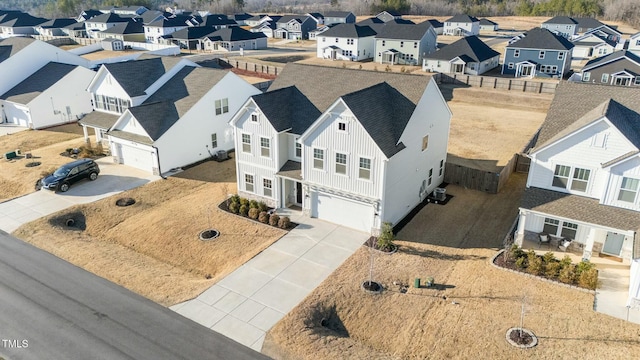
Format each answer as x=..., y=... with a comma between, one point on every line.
x=513, y=84
x=477, y=179
x=249, y=66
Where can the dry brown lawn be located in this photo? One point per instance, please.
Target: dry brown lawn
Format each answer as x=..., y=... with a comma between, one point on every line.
x=152, y=247
x=465, y=315
x=489, y=126
x=45, y=145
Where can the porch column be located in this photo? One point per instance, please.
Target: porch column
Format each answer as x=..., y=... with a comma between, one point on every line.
x=521, y=225
x=85, y=133
x=588, y=247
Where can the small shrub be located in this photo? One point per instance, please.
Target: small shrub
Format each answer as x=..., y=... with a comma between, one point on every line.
x=548, y=257
x=360, y=67
x=588, y=278
x=566, y=261
x=262, y=206
x=552, y=269
x=253, y=213
x=263, y=217
x=253, y=204
x=234, y=207
x=387, y=69
x=521, y=262
x=344, y=65
x=567, y=274
x=235, y=199
x=516, y=252
x=244, y=210
x=403, y=69
x=284, y=222
x=385, y=240
x=273, y=219
x=534, y=263
x=582, y=267
x=244, y=202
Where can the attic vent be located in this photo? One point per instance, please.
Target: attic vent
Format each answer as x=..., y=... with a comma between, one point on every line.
x=599, y=140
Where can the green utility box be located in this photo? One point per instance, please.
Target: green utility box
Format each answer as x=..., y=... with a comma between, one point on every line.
x=10, y=155
x=416, y=283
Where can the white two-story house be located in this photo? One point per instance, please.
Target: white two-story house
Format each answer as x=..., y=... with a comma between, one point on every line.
x=462, y=25
x=363, y=150
x=347, y=42
x=584, y=178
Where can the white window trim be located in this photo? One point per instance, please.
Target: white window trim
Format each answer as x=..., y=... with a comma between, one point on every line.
x=572, y=169
x=263, y=147
x=245, y=182
x=637, y=191
x=263, y=187
x=324, y=159
x=346, y=164
x=242, y=143
x=370, y=179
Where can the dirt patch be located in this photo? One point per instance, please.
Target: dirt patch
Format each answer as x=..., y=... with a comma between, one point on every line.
x=163, y=259
x=69, y=220
x=468, y=310
x=285, y=59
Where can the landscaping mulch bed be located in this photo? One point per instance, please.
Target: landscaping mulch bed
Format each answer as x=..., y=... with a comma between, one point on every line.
x=224, y=207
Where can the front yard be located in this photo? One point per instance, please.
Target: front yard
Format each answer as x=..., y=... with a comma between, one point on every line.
x=152, y=246
x=468, y=311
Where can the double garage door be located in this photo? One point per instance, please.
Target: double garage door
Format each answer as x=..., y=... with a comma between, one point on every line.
x=137, y=157
x=346, y=212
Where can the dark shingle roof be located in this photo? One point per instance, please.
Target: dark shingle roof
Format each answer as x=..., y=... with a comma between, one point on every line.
x=403, y=31
x=538, y=38
x=57, y=23
x=234, y=33
x=125, y=28
x=287, y=108
x=344, y=81
x=579, y=208
x=286, y=18
x=349, y=31
x=563, y=20
x=216, y=20
x=136, y=76
x=34, y=85
x=88, y=14
x=565, y=109
x=108, y=18
x=99, y=119
x=370, y=21
x=384, y=113
x=588, y=23
x=13, y=45
x=334, y=14
x=291, y=169
x=485, y=21
x=435, y=23
x=614, y=56
x=175, y=98
x=470, y=46
x=192, y=33
x=23, y=20
x=178, y=20
x=462, y=18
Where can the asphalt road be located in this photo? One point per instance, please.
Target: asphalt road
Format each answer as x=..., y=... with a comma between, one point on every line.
x=51, y=309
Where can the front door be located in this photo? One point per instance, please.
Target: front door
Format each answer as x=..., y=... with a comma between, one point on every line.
x=527, y=70
x=299, y=192
x=622, y=81
x=613, y=244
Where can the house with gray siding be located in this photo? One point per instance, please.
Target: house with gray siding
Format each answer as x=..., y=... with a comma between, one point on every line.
x=294, y=27
x=404, y=43
x=362, y=149
x=469, y=55
x=621, y=68
x=538, y=53
x=339, y=17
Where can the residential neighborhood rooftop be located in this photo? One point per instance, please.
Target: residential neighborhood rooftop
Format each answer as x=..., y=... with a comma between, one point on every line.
x=137, y=75
x=470, y=47
x=37, y=83
x=538, y=38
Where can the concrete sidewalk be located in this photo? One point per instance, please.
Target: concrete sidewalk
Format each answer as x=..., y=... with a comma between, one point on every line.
x=248, y=302
x=612, y=295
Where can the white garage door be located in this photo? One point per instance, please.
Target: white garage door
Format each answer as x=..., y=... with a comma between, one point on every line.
x=345, y=212
x=137, y=157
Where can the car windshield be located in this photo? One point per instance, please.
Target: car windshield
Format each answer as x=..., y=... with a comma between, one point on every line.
x=61, y=172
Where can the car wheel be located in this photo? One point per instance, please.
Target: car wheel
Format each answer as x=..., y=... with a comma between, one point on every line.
x=93, y=176
x=64, y=187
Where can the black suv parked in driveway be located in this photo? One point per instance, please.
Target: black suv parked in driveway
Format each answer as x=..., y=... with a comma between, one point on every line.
x=70, y=173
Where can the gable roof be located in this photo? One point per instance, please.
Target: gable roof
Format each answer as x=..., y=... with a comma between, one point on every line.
x=383, y=112
x=89, y=13
x=137, y=75
x=565, y=110
x=234, y=33
x=13, y=45
x=286, y=18
x=175, y=98
x=57, y=23
x=609, y=58
x=124, y=28
x=108, y=18
x=337, y=14
x=435, y=23
x=173, y=21
x=23, y=20
x=462, y=18
x=485, y=21
x=287, y=108
x=38, y=82
x=470, y=47
x=587, y=22
x=562, y=20
x=539, y=38
x=217, y=20
x=392, y=30
x=349, y=31
x=191, y=33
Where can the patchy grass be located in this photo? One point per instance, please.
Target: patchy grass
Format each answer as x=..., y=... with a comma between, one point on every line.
x=466, y=313
x=152, y=247
x=45, y=145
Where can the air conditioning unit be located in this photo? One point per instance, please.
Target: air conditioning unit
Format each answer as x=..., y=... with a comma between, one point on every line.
x=221, y=155
x=439, y=194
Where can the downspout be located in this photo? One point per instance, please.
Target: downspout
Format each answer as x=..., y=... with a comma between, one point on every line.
x=158, y=158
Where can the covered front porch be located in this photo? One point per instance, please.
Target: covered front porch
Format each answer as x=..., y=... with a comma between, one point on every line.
x=99, y=122
x=290, y=190
x=526, y=69
x=625, y=78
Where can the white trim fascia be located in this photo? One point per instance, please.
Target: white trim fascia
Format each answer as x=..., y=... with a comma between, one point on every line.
x=563, y=138
x=610, y=61
x=627, y=232
x=244, y=108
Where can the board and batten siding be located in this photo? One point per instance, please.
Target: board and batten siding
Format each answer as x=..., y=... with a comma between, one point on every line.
x=407, y=169
x=571, y=151
x=291, y=140
x=261, y=128
x=258, y=175
x=355, y=143
x=106, y=85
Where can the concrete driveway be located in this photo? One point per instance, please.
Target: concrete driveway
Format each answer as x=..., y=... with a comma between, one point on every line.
x=248, y=302
x=113, y=179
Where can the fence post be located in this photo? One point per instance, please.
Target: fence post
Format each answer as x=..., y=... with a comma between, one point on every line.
x=255, y=67
x=481, y=78
x=495, y=83
x=540, y=90
x=467, y=79
x=524, y=86
x=509, y=87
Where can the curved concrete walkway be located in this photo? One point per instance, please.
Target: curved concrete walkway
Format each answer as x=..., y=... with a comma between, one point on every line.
x=248, y=302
